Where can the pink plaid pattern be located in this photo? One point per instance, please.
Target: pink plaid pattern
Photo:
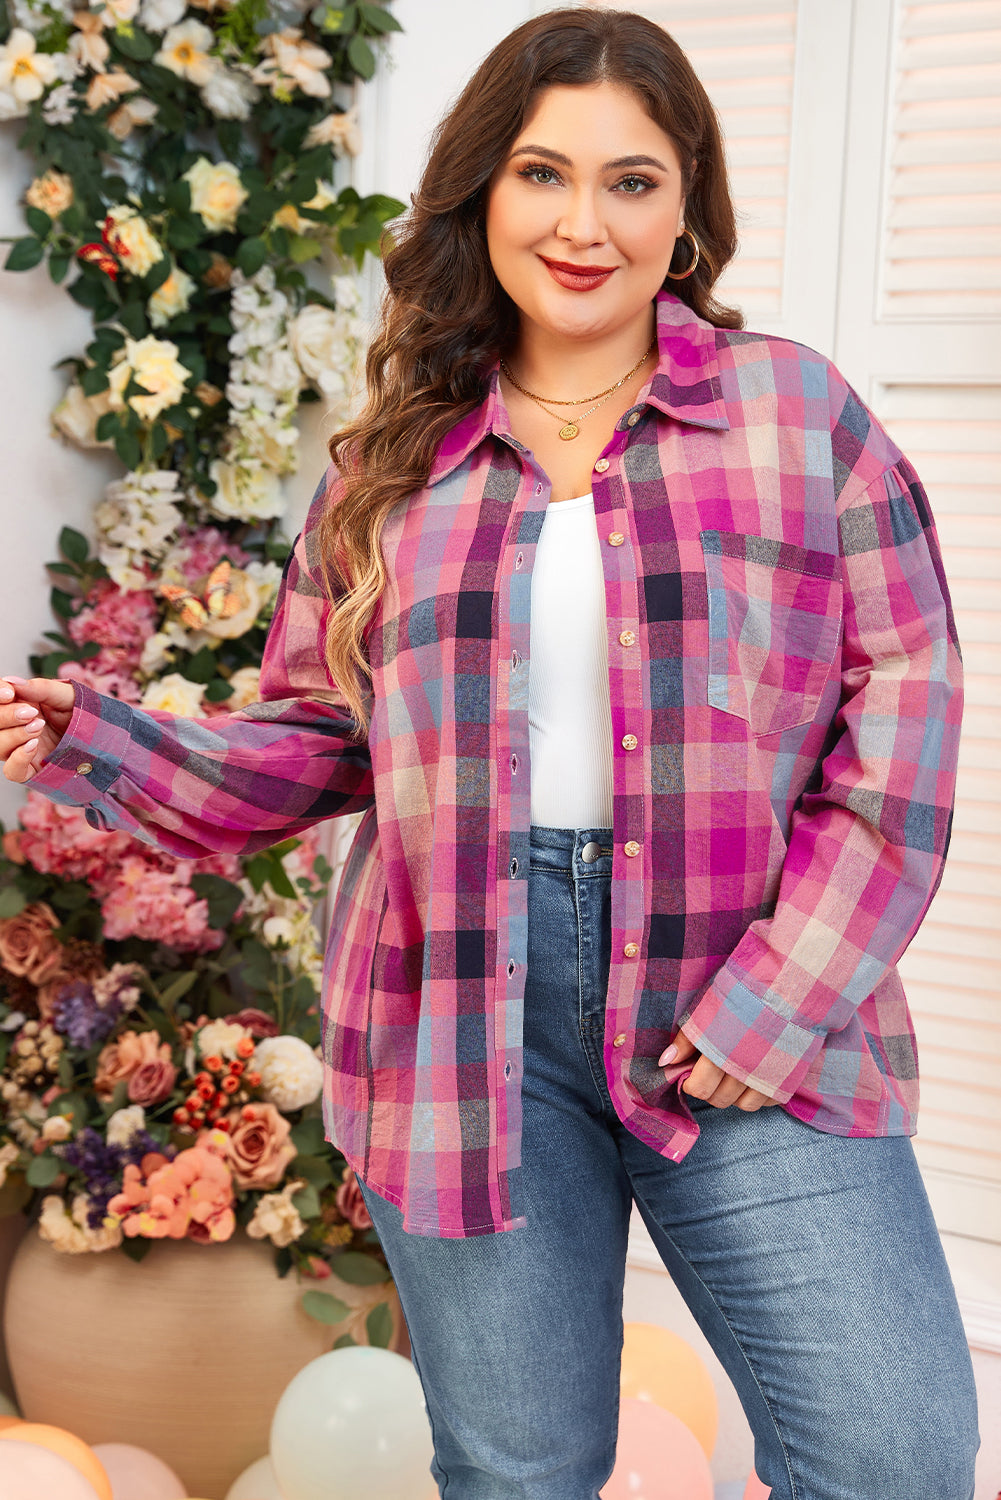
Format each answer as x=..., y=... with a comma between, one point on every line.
x=795, y=690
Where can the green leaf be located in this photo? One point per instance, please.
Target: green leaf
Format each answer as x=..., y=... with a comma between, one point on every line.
x=315, y=1169
x=62, y=604
x=133, y=319
x=251, y=255
x=93, y=381
x=74, y=545
x=38, y=221
x=107, y=426
x=361, y=57
x=378, y=19
x=137, y=1249
x=178, y=988
x=184, y=233
x=307, y=1202
x=11, y=902
x=359, y=1269
x=59, y=264
x=379, y=1326
x=218, y=690
x=324, y=1308
x=133, y=43
x=201, y=667
x=344, y=1342
x=307, y=1137
x=223, y=897
x=159, y=440
x=128, y=448
x=43, y=1171
x=158, y=274
x=24, y=254
x=302, y=248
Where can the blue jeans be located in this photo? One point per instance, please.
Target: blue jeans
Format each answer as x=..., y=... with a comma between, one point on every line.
x=810, y=1261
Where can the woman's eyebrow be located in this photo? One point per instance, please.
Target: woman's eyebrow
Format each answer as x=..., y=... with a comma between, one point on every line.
x=564, y=161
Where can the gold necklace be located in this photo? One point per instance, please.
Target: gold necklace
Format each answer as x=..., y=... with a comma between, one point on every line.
x=571, y=429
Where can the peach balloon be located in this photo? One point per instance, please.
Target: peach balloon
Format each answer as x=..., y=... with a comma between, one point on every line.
x=68, y=1446
x=6, y=1421
x=659, y=1366
x=28, y=1471
x=755, y=1490
x=137, y=1474
x=657, y=1458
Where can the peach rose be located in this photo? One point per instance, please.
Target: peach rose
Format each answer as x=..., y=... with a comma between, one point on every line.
x=28, y=945
x=259, y=1145
x=135, y=1052
x=351, y=1203
x=12, y=847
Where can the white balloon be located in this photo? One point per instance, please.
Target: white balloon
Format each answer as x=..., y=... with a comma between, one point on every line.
x=137, y=1474
x=352, y=1425
x=256, y=1483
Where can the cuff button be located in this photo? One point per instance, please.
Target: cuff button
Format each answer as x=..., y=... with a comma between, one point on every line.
x=84, y=768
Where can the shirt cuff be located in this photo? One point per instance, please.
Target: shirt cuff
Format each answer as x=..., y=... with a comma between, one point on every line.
x=752, y=1039
x=88, y=759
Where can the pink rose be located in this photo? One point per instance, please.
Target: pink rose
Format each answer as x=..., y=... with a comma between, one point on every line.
x=28, y=945
x=257, y=1022
x=132, y=1053
x=351, y=1203
x=259, y=1145
x=154, y=1081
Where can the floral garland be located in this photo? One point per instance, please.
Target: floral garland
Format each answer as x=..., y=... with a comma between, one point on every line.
x=159, y=1030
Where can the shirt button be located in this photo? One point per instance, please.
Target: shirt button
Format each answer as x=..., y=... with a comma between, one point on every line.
x=84, y=768
x=615, y=538
x=617, y=1041
x=629, y=742
x=627, y=638
x=632, y=419
x=601, y=466
x=631, y=950
x=631, y=848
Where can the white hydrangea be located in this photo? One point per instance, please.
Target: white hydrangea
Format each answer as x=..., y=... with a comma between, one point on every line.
x=160, y=15
x=264, y=378
x=61, y=105
x=69, y=1231
x=230, y=94
x=137, y=520
x=291, y=1073
x=124, y=1123
x=245, y=491
x=276, y=1217
x=174, y=694
x=159, y=649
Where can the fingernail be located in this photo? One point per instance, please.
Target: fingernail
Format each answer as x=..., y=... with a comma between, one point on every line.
x=29, y=746
x=24, y=712
x=34, y=727
x=9, y=678
x=668, y=1055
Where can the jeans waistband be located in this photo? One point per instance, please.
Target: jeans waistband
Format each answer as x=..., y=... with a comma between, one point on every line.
x=580, y=851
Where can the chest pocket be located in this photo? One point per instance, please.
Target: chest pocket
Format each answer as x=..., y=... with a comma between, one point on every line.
x=774, y=627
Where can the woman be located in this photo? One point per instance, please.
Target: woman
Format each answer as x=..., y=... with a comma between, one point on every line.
x=600, y=919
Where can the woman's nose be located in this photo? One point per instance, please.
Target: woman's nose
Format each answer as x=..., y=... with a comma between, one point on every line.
x=581, y=220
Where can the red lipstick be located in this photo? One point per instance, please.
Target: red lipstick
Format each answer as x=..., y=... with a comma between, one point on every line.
x=577, y=278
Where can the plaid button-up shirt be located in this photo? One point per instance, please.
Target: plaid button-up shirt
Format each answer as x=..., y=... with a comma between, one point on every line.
x=779, y=829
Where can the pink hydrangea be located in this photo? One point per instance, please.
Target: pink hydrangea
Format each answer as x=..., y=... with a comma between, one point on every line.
x=104, y=676
x=58, y=840
x=120, y=623
x=199, y=549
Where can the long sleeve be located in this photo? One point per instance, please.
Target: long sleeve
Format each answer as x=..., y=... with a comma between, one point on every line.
x=236, y=782
x=867, y=845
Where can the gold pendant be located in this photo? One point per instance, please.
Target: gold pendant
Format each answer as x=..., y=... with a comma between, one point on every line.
x=569, y=431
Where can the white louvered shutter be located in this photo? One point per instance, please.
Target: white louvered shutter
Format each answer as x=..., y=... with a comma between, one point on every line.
x=865, y=157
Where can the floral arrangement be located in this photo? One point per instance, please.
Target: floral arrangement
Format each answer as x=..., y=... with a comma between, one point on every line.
x=159, y=1030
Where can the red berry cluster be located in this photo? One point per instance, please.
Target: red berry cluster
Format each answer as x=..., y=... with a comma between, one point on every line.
x=217, y=1089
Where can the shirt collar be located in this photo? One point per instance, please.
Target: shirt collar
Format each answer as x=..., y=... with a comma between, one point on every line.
x=685, y=385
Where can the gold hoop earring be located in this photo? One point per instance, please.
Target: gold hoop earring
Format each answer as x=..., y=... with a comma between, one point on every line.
x=681, y=275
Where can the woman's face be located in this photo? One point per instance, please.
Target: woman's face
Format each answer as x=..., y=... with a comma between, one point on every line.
x=591, y=182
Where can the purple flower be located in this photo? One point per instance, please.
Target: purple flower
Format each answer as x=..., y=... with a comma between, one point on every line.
x=78, y=1016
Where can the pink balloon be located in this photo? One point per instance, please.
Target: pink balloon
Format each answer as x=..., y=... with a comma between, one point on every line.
x=754, y=1490
x=137, y=1474
x=28, y=1471
x=658, y=1457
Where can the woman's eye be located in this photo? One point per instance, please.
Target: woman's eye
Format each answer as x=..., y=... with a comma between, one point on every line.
x=542, y=175
x=633, y=186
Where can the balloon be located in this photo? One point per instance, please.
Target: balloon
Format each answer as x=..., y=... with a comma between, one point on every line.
x=755, y=1490
x=67, y=1445
x=28, y=1472
x=659, y=1366
x=256, y=1483
x=137, y=1474
x=658, y=1457
x=6, y=1421
x=351, y=1423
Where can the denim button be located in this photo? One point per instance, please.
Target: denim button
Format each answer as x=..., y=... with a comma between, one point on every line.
x=590, y=852
x=514, y=868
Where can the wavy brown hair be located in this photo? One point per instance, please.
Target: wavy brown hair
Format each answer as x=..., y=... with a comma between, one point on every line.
x=445, y=317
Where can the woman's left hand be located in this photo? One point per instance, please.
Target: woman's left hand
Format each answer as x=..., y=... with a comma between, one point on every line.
x=709, y=1082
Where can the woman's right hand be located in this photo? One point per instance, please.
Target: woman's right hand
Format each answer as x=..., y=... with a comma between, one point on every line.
x=34, y=714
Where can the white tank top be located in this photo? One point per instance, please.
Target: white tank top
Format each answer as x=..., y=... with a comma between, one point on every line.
x=569, y=712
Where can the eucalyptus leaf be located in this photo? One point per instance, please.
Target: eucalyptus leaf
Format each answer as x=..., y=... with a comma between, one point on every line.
x=178, y=988
x=325, y=1308
x=43, y=1170
x=345, y=1342
x=379, y=1326
x=223, y=897
x=359, y=1269
x=12, y=902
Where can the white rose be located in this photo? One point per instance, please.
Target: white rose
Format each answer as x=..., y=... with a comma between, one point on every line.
x=57, y=1128
x=220, y=1038
x=278, y=932
x=124, y=1123
x=174, y=694
x=291, y=1073
x=276, y=1217
x=229, y=94
x=157, y=15
x=158, y=650
x=246, y=685
x=325, y=344
x=216, y=192
x=156, y=368
x=246, y=492
x=77, y=416
x=132, y=240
